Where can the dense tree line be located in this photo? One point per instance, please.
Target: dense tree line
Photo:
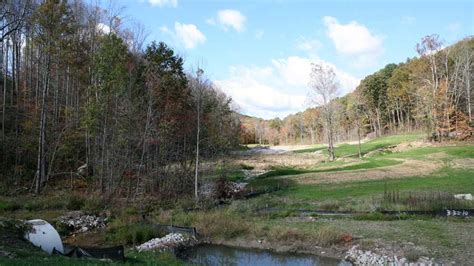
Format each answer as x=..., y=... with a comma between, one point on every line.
x=432, y=92
x=78, y=91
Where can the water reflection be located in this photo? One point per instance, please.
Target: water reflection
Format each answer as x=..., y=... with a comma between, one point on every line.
x=222, y=255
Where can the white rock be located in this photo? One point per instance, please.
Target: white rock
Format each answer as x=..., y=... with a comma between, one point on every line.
x=467, y=196
x=169, y=241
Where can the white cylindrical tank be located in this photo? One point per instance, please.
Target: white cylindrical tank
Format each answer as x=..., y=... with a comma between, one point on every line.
x=44, y=235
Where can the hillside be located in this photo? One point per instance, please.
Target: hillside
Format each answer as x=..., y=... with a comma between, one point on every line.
x=389, y=101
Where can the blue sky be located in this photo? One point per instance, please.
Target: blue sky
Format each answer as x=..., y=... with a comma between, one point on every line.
x=259, y=52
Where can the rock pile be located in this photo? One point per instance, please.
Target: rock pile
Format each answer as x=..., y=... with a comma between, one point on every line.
x=170, y=241
x=360, y=257
x=222, y=189
x=79, y=222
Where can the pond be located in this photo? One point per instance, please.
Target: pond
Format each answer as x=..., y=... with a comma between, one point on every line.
x=224, y=255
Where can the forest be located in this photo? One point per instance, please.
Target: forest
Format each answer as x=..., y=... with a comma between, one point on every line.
x=430, y=93
x=80, y=91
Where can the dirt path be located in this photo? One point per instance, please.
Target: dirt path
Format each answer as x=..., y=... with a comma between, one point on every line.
x=405, y=169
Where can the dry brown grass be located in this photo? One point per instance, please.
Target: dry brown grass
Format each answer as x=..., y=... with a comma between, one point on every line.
x=464, y=163
x=219, y=224
x=322, y=236
x=405, y=169
x=266, y=161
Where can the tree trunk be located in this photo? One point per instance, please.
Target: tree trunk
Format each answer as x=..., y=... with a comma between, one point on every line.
x=468, y=91
x=358, y=138
x=196, y=172
x=5, y=76
x=377, y=112
x=41, y=160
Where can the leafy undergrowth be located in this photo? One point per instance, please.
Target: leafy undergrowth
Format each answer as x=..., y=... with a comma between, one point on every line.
x=27, y=206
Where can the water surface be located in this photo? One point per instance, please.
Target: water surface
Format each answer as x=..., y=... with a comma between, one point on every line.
x=223, y=255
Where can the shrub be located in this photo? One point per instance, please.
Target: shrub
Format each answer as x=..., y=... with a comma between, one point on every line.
x=327, y=236
x=93, y=205
x=267, y=185
x=330, y=205
x=133, y=234
x=75, y=202
x=55, y=202
x=287, y=234
x=413, y=255
x=246, y=167
x=422, y=201
x=220, y=224
x=282, y=214
x=34, y=205
x=9, y=206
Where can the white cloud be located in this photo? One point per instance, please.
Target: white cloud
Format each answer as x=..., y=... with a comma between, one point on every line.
x=309, y=45
x=354, y=40
x=278, y=89
x=229, y=18
x=189, y=35
x=186, y=35
x=164, y=3
x=294, y=70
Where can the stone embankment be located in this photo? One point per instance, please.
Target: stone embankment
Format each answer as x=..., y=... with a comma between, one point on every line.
x=360, y=257
x=168, y=242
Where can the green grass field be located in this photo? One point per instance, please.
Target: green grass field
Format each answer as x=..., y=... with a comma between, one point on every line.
x=331, y=167
x=344, y=150
x=447, y=180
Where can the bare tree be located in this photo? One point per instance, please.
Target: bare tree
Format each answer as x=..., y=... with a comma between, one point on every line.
x=428, y=48
x=324, y=89
x=198, y=89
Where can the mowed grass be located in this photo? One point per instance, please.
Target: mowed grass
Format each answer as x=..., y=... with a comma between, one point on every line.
x=460, y=150
x=315, y=147
x=344, y=150
x=447, y=180
x=364, y=164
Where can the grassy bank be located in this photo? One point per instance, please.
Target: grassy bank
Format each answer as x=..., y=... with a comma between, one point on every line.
x=290, y=188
